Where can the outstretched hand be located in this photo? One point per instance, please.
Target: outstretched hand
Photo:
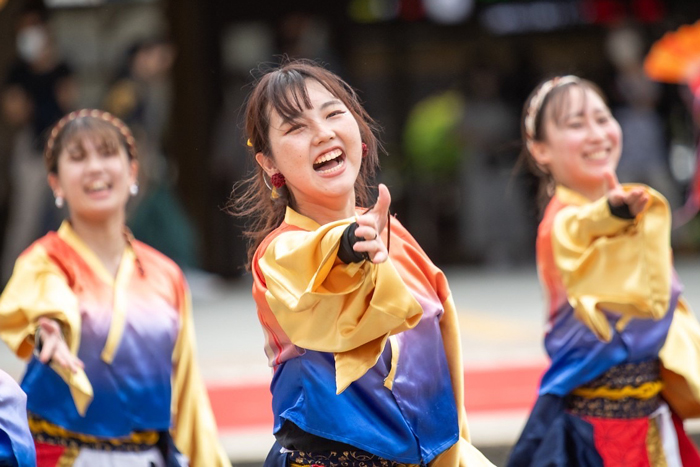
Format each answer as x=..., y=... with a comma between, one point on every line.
x=371, y=226
x=54, y=347
x=635, y=198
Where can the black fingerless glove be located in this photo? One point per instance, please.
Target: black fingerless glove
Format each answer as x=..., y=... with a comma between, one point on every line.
x=621, y=211
x=346, y=254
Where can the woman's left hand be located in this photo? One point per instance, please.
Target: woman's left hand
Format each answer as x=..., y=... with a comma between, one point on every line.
x=371, y=225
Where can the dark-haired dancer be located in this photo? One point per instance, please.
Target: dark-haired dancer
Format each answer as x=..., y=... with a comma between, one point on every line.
x=105, y=321
x=624, y=346
x=360, y=326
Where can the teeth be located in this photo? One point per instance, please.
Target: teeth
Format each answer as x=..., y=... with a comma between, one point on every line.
x=328, y=156
x=337, y=167
x=98, y=185
x=598, y=155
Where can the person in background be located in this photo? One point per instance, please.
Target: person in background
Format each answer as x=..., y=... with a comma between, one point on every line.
x=105, y=320
x=623, y=343
x=360, y=326
x=38, y=90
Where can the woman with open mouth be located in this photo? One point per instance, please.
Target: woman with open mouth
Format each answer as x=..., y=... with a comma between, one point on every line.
x=360, y=328
x=105, y=320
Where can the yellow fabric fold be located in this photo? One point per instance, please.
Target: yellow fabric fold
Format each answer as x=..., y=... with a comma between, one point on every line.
x=194, y=428
x=395, y=350
x=680, y=359
x=325, y=305
x=613, y=264
x=38, y=288
x=462, y=453
x=116, y=326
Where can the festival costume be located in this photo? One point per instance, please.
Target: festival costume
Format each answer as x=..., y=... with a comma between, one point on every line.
x=16, y=443
x=135, y=335
x=365, y=355
x=624, y=346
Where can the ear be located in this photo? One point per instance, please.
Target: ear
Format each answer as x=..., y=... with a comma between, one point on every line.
x=54, y=184
x=267, y=164
x=540, y=152
x=133, y=171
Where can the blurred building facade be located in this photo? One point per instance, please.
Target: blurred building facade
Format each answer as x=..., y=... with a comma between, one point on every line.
x=397, y=53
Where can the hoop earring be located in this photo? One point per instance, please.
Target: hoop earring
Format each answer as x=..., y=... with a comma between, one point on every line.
x=58, y=201
x=134, y=189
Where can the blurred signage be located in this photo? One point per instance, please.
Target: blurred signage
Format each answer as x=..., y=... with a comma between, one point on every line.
x=85, y=3
x=509, y=17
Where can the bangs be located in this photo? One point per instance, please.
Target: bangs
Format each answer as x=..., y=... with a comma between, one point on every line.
x=101, y=133
x=560, y=102
x=287, y=94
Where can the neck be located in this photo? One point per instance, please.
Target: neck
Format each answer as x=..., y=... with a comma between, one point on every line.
x=105, y=238
x=330, y=211
x=591, y=193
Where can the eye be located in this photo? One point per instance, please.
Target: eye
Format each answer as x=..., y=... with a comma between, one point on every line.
x=293, y=127
x=336, y=113
x=576, y=123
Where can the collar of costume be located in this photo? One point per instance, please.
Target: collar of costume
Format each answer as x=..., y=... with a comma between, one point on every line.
x=119, y=284
x=291, y=217
x=536, y=102
x=569, y=196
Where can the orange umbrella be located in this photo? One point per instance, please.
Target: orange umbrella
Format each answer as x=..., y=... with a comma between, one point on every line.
x=675, y=58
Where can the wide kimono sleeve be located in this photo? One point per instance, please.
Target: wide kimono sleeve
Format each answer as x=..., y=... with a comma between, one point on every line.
x=16, y=442
x=325, y=305
x=39, y=288
x=613, y=264
x=194, y=428
x=462, y=453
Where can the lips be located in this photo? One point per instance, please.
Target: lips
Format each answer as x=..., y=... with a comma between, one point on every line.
x=330, y=161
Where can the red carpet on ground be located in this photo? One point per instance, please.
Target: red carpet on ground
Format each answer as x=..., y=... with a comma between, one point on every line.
x=238, y=407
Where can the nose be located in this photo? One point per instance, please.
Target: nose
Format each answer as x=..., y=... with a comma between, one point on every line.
x=323, y=133
x=93, y=161
x=596, y=131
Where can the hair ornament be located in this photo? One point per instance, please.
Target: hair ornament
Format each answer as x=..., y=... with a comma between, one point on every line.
x=535, y=105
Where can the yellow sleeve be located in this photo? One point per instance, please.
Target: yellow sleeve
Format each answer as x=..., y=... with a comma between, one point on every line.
x=325, y=305
x=38, y=289
x=462, y=453
x=614, y=264
x=680, y=358
x=194, y=428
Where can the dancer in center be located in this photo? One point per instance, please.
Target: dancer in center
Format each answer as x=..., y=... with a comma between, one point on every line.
x=624, y=344
x=360, y=326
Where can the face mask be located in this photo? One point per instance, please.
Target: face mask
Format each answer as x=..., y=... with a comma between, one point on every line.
x=31, y=42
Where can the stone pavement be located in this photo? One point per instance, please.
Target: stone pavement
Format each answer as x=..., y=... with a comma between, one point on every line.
x=501, y=314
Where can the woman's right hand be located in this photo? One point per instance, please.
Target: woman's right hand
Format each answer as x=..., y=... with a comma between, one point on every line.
x=635, y=198
x=54, y=347
x=371, y=225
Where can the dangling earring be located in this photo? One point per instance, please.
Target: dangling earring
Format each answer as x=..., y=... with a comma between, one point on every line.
x=365, y=150
x=58, y=201
x=278, y=181
x=134, y=189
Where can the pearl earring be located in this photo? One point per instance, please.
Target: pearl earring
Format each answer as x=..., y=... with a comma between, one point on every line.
x=59, y=202
x=134, y=189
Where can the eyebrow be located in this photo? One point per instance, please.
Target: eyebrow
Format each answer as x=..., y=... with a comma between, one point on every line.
x=329, y=103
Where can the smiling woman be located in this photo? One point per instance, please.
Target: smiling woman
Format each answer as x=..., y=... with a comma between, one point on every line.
x=363, y=339
x=619, y=331
x=105, y=320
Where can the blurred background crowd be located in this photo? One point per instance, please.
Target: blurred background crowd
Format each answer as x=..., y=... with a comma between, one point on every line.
x=446, y=79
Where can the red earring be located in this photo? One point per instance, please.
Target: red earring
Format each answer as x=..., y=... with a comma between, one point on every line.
x=365, y=150
x=278, y=180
